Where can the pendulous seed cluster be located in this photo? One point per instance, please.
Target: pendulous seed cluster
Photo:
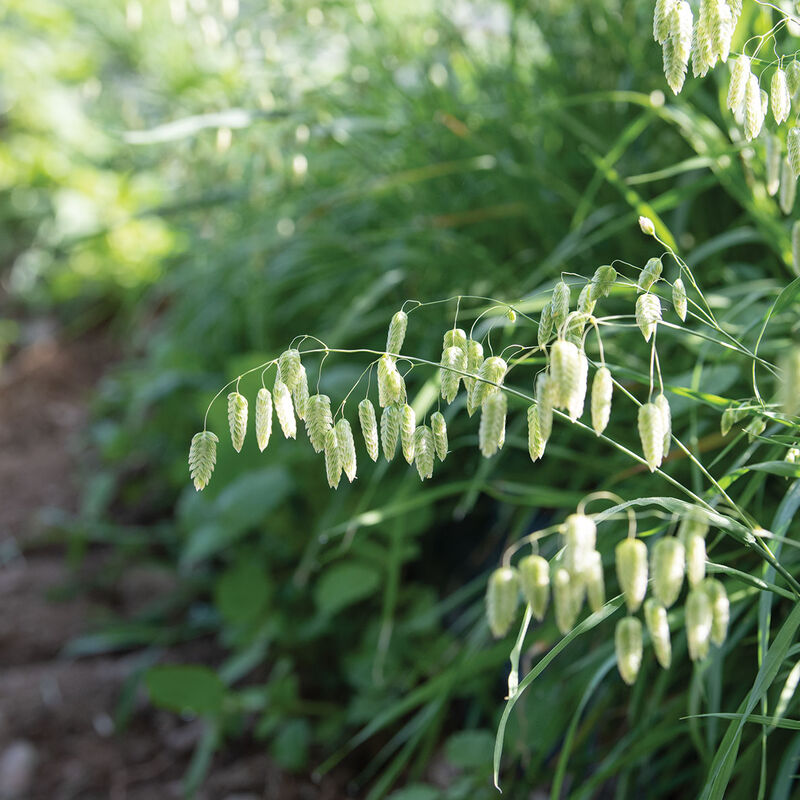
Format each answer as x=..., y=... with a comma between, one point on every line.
x=575, y=577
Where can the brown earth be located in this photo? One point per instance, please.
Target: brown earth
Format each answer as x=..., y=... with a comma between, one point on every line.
x=57, y=735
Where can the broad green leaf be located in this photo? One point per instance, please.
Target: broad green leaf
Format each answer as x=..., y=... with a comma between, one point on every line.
x=343, y=584
x=185, y=688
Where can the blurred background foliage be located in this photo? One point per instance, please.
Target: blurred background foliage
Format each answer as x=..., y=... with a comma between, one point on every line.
x=209, y=178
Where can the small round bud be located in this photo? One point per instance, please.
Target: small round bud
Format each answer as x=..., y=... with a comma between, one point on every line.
x=647, y=227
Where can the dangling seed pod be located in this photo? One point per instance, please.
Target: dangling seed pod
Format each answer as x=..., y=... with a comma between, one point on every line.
x=263, y=417
x=796, y=247
x=695, y=546
x=300, y=394
x=755, y=428
x=661, y=16
x=753, y=109
x=408, y=424
x=474, y=361
x=424, y=451
x=694, y=521
x=397, y=333
x=651, y=433
x=289, y=367
x=740, y=75
x=318, y=420
x=721, y=28
x=390, y=430
x=454, y=362
x=703, y=57
x=564, y=371
x=603, y=280
x=580, y=538
x=793, y=77
x=699, y=619
x=347, y=448
x=666, y=414
x=793, y=150
x=780, y=100
x=764, y=104
x=284, y=411
x=655, y=616
x=333, y=459
x=202, y=458
x=788, y=187
x=560, y=304
x=566, y=609
x=650, y=274
x=439, y=430
x=391, y=387
x=545, y=331
x=628, y=644
x=790, y=381
x=455, y=337
x=492, y=371
x=578, y=396
x=679, y=299
x=237, y=419
x=772, y=164
x=536, y=442
x=646, y=226
x=631, y=558
x=546, y=392
x=585, y=303
x=534, y=579
x=595, y=581
x=369, y=427
x=720, y=609
x=602, y=390
x=502, y=598
x=648, y=314
x=726, y=420
x=493, y=424
x=667, y=566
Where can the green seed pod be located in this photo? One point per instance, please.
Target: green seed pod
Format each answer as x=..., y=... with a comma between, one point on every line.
x=721, y=27
x=740, y=75
x=574, y=327
x=650, y=274
x=703, y=57
x=439, y=430
x=333, y=458
x=408, y=424
x=424, y=451
x=474, y=361
x=655, y=617
x=580, y=538
x=753, y=109
x=602, y=389
x=755, y=428
x=651, y=433
x=648, y=314
x=790, y=381
x=780, y=100
x=347, y=448
x=545, y=400
x=493, y=370
x=454, y=361
x=699, y=619
x=729, y=416
x=369, y=427
x=667, y=566
x=628, y=644
x=536, y=442
x=772, y=164
x=564, y=371
x=793, y=150
x=300, y=394
x=793, y=77
x=646, y=226
x=493, y=424
x=284, y=411
x=720, y=609
x=511, y=315
x=695, y=546
x=391, y=388
x=289, y=367
x=318, y=420
x=263, y=417
x=788, y=189
x=585, y=302
x=202, y=458
x=455, y=337
x=578, y=396
x=545, y=331
x=390, y=430
x=792, y=456
x=560, y=304
x=237, y=419
x=502, y=598
x=595, y=581
x=666, y=413
x=631, y=558
x=679, y=299
x=397, y=333
x=661, y=20
x=694, y=521
x=534, y=579
x=796, y=247
x=564, y=600
x=603, y=279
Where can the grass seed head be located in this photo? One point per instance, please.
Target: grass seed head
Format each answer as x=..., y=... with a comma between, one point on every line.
x=369, y=427
x=237, y=419
x=263, y=417
x=655, y=617
x=534, y=579
x=502, y=599
x=202, y=458
x=628, y=646
x=631, y=562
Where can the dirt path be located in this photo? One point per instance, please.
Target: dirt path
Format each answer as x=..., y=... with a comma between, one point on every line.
x=57, y=736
